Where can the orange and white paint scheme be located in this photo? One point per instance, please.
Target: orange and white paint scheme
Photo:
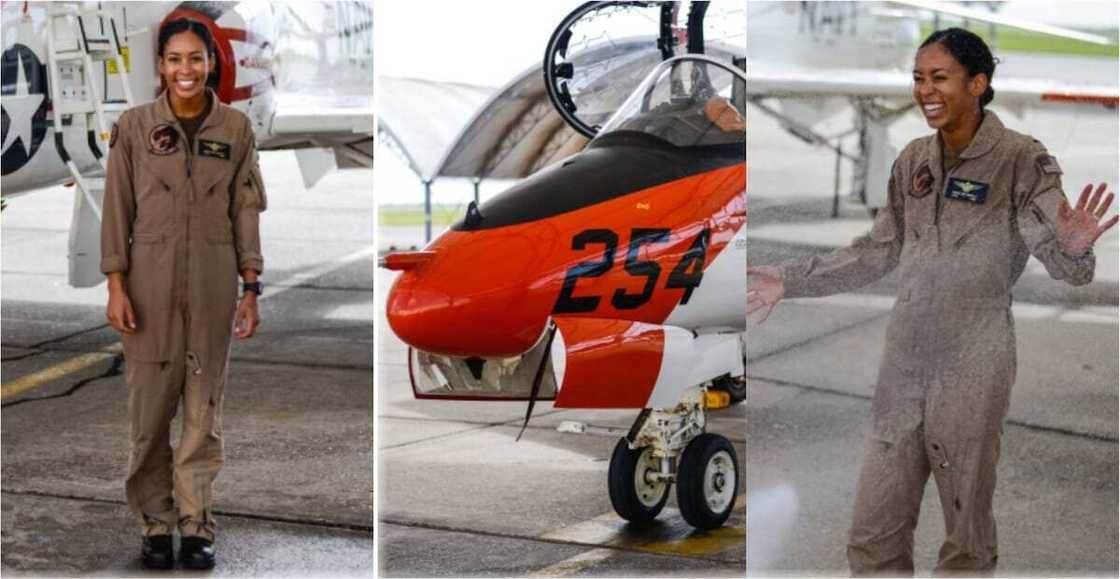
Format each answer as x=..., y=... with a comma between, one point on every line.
x=627, y=261
x=613, y=279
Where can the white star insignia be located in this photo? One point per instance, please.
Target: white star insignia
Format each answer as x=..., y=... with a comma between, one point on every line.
x=21, y=108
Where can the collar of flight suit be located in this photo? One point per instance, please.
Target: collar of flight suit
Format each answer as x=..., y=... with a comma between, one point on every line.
x=987, y=136
x=213, y=117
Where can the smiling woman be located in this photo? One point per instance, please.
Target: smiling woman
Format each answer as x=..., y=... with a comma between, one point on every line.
x=180, y=222
x=967, y=207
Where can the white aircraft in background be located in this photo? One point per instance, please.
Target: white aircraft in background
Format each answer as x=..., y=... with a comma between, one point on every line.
x=302, y=72
x=808, y=61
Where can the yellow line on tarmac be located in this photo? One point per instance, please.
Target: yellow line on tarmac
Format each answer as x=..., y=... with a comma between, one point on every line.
x=669, y=535
x=52, y=373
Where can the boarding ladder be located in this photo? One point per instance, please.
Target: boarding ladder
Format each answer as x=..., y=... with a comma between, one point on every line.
x=78, y=40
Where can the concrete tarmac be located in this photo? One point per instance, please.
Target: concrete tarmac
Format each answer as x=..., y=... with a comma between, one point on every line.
x=459, y=497
x=295, y=495
x=812, y=365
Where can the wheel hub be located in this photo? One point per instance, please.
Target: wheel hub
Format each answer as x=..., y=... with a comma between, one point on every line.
x=717, y=474
x=648, y=487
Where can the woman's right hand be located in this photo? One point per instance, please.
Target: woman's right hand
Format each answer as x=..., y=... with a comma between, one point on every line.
x=119, y=311
x=765, y=289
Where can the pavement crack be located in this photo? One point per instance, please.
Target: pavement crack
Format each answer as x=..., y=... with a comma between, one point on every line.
x=1022, y=424
x=225, y=513
x=114, y=370
x=515, y=536
x=22, y=356
x=479, y=426
x=65, y=337
x=819, y=337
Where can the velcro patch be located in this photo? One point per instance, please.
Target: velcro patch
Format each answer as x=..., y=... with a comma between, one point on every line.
x=1049, y=165
x=213, y=149
x=965, y=190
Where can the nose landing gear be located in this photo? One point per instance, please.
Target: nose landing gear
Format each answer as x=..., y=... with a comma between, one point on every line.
x=667, y=446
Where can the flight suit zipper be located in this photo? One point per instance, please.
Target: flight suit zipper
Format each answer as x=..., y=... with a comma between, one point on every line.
x=194, y=367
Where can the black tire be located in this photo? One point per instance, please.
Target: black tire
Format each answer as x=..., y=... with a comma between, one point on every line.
x=736, y=389
x=706, y=496
x=631, y=503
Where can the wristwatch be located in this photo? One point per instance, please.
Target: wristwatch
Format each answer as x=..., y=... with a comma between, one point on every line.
x=252, y=286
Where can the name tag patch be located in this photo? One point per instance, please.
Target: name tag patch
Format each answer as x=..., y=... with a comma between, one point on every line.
x=213, y=149
x=965, y=190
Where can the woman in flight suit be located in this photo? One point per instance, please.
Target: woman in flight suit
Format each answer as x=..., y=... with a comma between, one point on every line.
x=966, y=207
x=180, y=221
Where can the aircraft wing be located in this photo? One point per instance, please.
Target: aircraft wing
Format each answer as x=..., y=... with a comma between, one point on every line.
x=326, y=132
x=897, y=84
x=318, y=122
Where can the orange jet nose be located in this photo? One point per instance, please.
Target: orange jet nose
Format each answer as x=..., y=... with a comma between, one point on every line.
x=471, y=297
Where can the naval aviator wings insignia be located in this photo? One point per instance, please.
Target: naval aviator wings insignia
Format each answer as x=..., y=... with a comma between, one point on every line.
x=965, y=190
x=213, y=149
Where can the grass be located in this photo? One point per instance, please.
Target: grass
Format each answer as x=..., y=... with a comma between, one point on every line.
x=412, y=215
x=1009, y=39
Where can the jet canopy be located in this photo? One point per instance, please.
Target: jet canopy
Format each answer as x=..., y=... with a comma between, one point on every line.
x=686, y=101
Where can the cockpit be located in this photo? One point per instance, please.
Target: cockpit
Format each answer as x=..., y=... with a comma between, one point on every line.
x=686, y=101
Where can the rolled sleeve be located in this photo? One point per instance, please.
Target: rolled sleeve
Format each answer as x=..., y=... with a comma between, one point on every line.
x=247, y=201
x=119, y=203
x=1040, y=195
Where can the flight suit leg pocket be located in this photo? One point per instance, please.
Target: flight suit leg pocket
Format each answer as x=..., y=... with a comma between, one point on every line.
x=150, y=285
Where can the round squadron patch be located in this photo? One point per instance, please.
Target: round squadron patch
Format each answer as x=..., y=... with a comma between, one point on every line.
x=163, y=140
x=113, y=136
x=923, y=182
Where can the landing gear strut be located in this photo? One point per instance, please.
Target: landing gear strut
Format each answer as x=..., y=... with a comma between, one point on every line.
x=667, y=446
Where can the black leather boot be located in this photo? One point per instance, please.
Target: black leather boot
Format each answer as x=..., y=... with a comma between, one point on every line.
x=196, y=553
x=157, y=553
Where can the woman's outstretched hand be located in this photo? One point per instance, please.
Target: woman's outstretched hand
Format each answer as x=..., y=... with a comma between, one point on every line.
x=1077, y=229
x=764, y=290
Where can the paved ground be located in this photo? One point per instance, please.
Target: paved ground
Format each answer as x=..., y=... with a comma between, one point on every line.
x=812, y=364
x=459, y=497
x=295, y=496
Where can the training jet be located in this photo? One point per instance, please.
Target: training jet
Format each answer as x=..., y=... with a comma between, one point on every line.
x=614, y=278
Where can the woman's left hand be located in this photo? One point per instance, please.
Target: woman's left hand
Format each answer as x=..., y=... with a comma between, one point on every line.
x=1078, y=228
x=246, y=320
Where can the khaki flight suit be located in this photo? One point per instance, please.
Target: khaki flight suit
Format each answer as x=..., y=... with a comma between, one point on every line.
x=946, y=373
x=181, y=225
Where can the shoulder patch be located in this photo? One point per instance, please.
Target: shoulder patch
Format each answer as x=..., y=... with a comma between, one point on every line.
x=1048, y=164
x=113, y=136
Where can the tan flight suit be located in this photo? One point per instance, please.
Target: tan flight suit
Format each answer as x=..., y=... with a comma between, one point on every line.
x=180, y=224
x=946, y=373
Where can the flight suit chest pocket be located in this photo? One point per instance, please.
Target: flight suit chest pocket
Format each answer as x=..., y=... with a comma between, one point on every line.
x=212, y=177
x=158, y=183
x=976, y=205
